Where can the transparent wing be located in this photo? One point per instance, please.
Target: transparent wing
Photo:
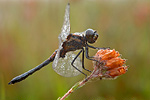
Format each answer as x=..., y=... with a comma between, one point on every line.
x=63, y=66
x=65, y=30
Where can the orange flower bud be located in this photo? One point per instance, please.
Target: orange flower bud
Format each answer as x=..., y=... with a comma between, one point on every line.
x=107, y=54
x=114, y=63
x=109, y=64
x=116, y=72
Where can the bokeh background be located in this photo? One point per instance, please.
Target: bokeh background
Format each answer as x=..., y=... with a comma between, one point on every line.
x=29, y=34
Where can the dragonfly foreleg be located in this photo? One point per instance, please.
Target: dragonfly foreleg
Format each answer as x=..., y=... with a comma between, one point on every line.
x=87, y=55
x=97, y=47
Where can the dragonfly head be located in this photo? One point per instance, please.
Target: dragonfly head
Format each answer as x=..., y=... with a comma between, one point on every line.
x=91, y=36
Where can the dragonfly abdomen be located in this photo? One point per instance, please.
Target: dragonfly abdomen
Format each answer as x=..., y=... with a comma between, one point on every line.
x=30, y=72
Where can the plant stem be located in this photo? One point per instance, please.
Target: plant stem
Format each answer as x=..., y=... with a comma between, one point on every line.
x=77, y=86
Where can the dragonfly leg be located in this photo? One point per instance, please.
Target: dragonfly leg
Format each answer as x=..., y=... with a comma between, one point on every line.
x=90, y=58
x=87, y=54
x=74, y=61
x=83, y=61
x=97, y=47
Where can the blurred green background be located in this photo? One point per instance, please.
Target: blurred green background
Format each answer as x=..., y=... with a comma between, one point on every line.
x=29, y=34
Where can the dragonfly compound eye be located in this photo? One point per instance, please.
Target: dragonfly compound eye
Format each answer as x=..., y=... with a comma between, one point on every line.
x=91, y=35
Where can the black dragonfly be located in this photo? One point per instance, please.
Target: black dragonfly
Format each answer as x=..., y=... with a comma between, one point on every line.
x=65, y=62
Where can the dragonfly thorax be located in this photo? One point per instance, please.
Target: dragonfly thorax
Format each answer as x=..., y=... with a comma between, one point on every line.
x=73, y=42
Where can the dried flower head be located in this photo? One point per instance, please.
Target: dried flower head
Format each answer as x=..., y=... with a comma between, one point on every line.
x=108, y=64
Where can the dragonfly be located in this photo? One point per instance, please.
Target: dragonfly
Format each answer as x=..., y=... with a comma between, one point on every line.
x=65, y=62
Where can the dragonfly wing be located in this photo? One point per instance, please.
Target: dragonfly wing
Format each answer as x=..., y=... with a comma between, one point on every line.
x=65, y=30
x=63, y=66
